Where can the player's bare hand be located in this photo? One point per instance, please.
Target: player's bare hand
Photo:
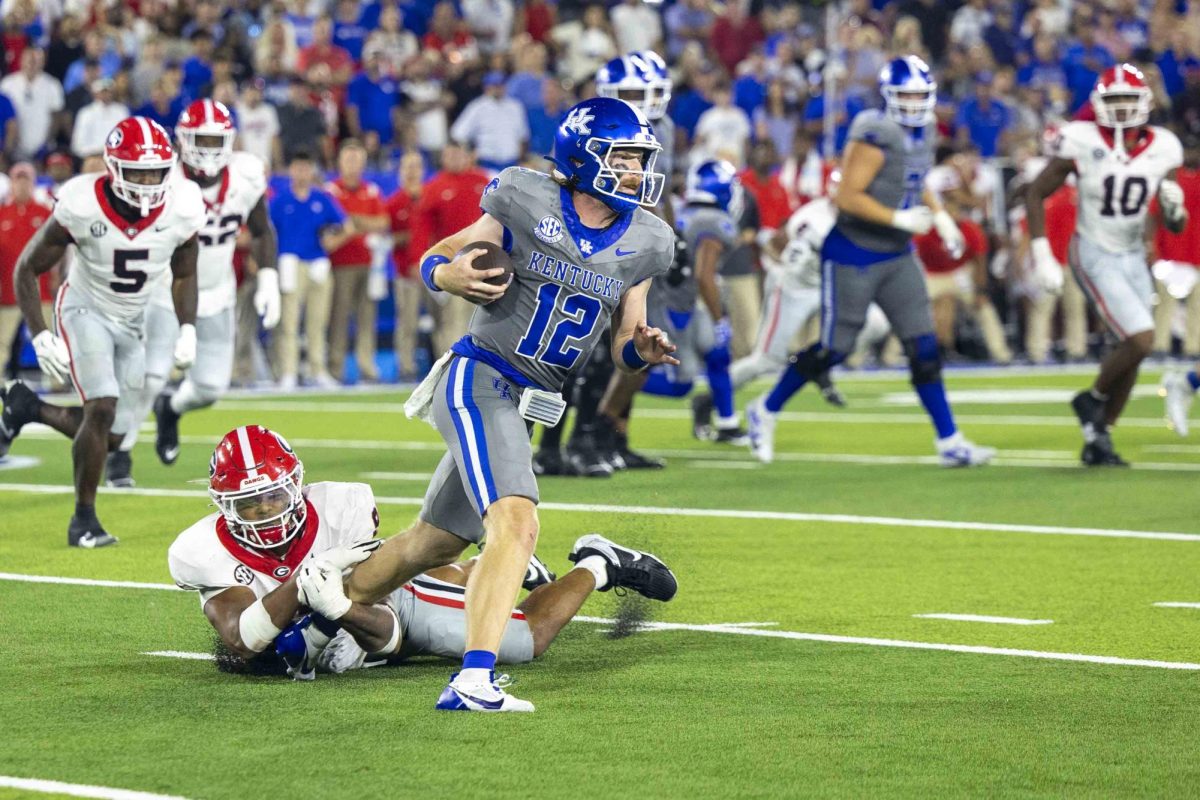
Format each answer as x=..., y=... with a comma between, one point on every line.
x=653, y=345
x=460, y=277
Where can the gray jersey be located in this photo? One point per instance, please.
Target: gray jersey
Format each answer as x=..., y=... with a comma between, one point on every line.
x=695, y=223
x=569, y=279
x=908, y=155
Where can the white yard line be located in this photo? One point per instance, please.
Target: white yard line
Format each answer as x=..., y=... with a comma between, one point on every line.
x=181, y=654
x=985, y=618
x=80, y=789
x=717, y=513
x=1176, y=605
x=395, y=476
x=725, y=464
x=752, y=629
x=12, y=576
x=1187, y=449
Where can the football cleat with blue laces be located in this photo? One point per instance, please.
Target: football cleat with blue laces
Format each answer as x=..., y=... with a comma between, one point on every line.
x=486, y=696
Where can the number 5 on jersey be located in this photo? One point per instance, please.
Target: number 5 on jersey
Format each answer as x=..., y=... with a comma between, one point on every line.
x=131, y=280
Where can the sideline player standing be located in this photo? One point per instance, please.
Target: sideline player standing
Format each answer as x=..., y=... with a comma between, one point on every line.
x=867, y=257
x=128, y=230
x=234, y=188
x=585, y=249
x=1120, y=162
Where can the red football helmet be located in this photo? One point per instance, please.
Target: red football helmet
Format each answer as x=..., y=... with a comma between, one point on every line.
x=206, y=132
x=139, y=158
x=1121, y=98
x=257, y=482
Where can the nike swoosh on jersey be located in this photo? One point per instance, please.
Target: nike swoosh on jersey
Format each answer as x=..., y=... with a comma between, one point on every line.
x=621, y=252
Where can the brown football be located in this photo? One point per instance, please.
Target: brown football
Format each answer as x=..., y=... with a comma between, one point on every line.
x=494, y=257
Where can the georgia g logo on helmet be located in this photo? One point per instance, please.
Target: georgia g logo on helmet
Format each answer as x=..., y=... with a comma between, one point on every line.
x=115, y=137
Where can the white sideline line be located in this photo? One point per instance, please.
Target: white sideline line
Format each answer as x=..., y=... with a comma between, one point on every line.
x=725, y=464
x=395, y=476
x=1189, y=449
x=1177, y=605
x=717, y=513
x=755, y=629
x=12, y=576
x=80, y=789
x=985, y=618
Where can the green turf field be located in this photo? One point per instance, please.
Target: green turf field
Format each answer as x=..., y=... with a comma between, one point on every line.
x=834, y=552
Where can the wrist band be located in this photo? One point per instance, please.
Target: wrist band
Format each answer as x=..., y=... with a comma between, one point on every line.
x=428, y=266
x=630, y=356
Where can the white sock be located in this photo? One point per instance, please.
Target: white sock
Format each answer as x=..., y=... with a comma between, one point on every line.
x=727, y=423
x=953, y=440
x=476, y=675
x=599, y=569
x=187, y=399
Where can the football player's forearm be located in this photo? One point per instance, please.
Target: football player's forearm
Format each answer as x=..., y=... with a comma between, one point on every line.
x=29, y=299
x=371, y=626
x=282, y=603
x=862, y=205
x=264, y=248
x=184, y=295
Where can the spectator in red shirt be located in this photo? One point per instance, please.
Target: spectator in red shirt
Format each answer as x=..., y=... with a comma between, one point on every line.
x=760, y=180
x=1181, y=251
x=536, y=18
x=735, y=34
x=448, y=35
x=363, y=203
x=324, y=51
x=20, y=218
x=408, y=243
x=951, y=280
x=449, y=203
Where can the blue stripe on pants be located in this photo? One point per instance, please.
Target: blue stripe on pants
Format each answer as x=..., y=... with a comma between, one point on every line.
x=480, y=438
x=465, y=445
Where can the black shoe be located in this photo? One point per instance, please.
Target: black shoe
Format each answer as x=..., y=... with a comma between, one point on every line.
x=536, y=574
x=118, y=470
x=1089, y=410
x=830, y=394
x=88, y=535
x=735, y=436
x=20, y=407
x=551, y=462
x=630, y=569
x=588, y=463
x=633, y=459
x=1100, y=453
x=166, y=441
x=702, y=414
x=604, y=439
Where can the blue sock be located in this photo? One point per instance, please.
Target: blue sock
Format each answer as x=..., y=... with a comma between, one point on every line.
x=1193, y=380
x=789, y=383
x=479, y=659
x=721, y=386
x=933, y=397
x=657, y=383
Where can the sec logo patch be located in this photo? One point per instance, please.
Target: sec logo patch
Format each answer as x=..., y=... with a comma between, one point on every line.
x=243, y=575
x=549, y=230
x=98, y=229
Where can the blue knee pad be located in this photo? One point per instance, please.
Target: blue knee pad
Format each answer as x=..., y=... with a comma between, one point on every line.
x=924, y=359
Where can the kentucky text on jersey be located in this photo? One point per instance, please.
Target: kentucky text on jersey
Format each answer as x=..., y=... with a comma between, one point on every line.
x=572, y=275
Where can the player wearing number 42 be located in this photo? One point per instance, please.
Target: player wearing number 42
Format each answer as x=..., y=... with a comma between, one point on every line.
x=1119, y=162
x=129, y=231
x=585, y=249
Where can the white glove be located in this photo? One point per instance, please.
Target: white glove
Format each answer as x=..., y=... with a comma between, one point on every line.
x=950, y=234
x=266, y=298
x=319, y=586
x=345, y=556
x=1047, y=272
x=916, y=220
x=185, y=346
x=53, y=356
x=1170, y=196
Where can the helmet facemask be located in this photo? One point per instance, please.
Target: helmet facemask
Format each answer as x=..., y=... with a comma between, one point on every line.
x=206, y=153
x=910, y=107
x=649, y=97
x=1122, y=109
x=144, y=196
x=268, y=514
x=609, y=177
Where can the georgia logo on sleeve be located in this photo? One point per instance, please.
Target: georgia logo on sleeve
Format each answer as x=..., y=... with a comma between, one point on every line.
x=549, y=230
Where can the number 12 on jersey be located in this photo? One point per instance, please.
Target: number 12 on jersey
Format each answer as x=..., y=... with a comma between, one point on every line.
x=577, y=313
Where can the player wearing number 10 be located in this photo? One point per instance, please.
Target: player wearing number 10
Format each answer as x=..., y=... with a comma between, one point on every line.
x=128, y=230
x=585, y=248
x=1119, y=162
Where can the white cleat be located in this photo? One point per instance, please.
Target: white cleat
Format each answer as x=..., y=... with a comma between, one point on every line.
x=959, y=451
x=1177, y=395
x=487, y=696
x=761, y=430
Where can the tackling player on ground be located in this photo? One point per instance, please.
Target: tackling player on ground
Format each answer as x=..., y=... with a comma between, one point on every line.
x=277, y=547
x=128, y=231
x=867, y=257
x=1120, y=162
x=234, y=186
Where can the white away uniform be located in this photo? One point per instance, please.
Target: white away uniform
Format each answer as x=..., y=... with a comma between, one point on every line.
x=1108, y=256
x=206, y=559
x=228, y=203
x=101, y=306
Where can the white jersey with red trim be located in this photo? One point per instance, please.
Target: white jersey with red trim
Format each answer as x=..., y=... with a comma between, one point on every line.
x=806, y=230
x=207, y=559
x=1115, y=186
x=228, y=204
x=119, y=262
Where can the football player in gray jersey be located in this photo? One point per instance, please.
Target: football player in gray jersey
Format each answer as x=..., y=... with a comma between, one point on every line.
x=585, y=250
x=867, y=257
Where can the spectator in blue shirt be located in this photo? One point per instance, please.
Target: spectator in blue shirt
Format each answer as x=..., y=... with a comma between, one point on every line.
x=983, y=119
x=1083, y=62
x=545, y=117
x=197, y=68
x=348, y=31
x=688, y=105
x=310, y=224
x=750, y=89
x=96, y=47
x=8, y=125
x=159, y=107
x=372, y=100
x=1044, y=69
x=814, y=121
x=1001, y=37
x=525, y=84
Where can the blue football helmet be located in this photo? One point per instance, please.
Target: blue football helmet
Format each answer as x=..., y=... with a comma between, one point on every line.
x=909, y=91
x=584, y=143
x=640, y=78
x=715, y=182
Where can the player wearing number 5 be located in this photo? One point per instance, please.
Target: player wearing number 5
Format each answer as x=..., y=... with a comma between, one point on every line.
x=585, y=248
x=129, y=230
x=1119, y=162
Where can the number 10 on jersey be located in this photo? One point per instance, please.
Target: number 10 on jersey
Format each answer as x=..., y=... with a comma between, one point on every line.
x=577, y=315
